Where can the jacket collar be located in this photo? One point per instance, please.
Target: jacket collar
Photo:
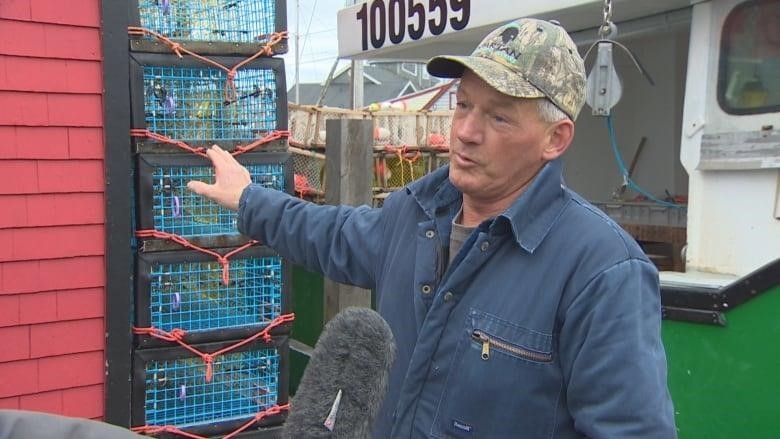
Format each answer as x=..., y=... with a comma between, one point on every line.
x=529, y=218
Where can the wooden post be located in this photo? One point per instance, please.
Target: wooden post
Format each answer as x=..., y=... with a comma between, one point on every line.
x=348, y=180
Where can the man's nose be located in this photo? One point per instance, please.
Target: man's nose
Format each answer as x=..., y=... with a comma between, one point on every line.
x=470, y=128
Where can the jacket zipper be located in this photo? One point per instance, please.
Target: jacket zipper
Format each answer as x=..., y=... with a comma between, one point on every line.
x=488, y=341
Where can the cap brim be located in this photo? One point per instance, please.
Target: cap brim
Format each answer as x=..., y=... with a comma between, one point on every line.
x=497, y=75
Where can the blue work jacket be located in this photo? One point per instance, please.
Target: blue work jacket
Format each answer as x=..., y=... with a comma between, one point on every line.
x=547, y=323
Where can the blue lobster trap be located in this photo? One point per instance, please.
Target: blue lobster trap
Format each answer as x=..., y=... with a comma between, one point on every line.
x=231, y=23
x=187, y=100
x=170, y=386
x=165, y=204
x=185, y=290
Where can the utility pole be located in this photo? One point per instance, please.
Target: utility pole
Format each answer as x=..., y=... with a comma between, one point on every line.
x=297, y=48
x=357, y=84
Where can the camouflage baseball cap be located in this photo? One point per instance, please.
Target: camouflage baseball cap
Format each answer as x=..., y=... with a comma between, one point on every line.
x=527, y=58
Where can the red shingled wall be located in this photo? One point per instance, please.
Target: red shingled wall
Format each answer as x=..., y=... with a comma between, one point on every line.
x=52, y=219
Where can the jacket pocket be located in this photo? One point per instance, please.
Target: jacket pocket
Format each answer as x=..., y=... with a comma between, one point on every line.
x=492, y=342
x=504, y=382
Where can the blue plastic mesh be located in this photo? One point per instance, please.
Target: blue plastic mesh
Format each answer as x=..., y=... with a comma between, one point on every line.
x=243, y=384
x=191, y=295
x=243, y=21
x=189, y=104
x=179, y=211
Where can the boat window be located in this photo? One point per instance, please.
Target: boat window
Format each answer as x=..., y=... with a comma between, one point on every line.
x=749, y=74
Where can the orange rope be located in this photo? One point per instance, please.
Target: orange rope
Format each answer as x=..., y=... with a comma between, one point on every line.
x=403, y=156
x=200, y=150
x=222, y=259
x=151, y=429
x=177, y=335
x=230, y=86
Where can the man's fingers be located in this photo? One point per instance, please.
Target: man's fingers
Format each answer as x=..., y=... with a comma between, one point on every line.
x=199, y=187
x=215, y=155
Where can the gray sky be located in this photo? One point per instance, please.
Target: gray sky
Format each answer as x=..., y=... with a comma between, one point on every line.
x=319, y=45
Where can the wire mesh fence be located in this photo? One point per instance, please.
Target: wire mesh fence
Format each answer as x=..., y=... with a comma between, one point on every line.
x=234, y=21
x=167, y=205
x=184, y=290
x=176, y=390
x=190, y=103
x=407, y=145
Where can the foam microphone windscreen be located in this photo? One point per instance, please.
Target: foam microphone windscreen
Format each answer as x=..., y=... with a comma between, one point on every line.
x=345, y=381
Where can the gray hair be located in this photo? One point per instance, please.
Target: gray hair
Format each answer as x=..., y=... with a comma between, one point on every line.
x=548, y=112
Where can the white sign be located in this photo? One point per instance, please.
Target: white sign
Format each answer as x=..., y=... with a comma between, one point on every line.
x=382, y=23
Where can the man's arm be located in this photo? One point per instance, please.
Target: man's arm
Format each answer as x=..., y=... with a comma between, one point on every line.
x=613, y=357
x=339, y=241
x=342, y=242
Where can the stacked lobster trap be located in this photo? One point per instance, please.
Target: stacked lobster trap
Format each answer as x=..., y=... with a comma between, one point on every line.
x=407, y=145
x=211, y=307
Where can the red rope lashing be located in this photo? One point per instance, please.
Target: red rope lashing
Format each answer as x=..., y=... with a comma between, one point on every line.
x=200, y=150
x=230, y=86
x=177, y=335
x=270, y=411
x=222, y=259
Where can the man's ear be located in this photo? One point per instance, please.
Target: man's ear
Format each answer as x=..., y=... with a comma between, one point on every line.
x=559, y=137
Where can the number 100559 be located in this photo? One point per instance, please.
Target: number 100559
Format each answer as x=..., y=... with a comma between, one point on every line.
x=392, y=21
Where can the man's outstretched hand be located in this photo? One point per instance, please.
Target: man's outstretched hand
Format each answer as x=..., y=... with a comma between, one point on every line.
x=231, y=178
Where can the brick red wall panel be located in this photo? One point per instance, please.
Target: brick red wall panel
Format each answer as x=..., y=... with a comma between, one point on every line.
x=48, y=402
x=72, y=42
x=77, y=110
x=52, y=306
x=86, y=143
x=9, y=311
x=61, y=338
x=21, y=38
x=16, y=9
x=22, y=108
x=83, y=402
x=70, y=176
x=36, y=210
x=9, y=403
x=72, y=370
x=52, y=224
x=38, y=308
x=18, y=176
x=14, y=211
x=4, y=81
x=56, y=274
x=80, y=304
x=50, y=75
x=77, y=208
x=38, y=40
x=34, y=142
x=20, y=348
x=52, y=242
x=76, y=13
x=18, y=378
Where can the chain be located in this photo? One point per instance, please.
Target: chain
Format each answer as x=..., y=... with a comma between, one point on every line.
x=607, y=28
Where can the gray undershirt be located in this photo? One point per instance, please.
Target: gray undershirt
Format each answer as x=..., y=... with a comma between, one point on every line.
x=459, y=235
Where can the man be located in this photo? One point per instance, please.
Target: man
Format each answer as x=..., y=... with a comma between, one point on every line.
x=519, y=309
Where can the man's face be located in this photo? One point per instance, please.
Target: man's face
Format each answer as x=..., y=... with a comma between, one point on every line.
x=497, y=142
